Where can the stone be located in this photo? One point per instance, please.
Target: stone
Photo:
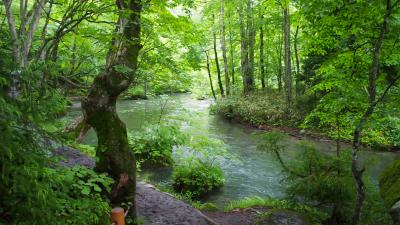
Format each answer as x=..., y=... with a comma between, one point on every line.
x=395, y=213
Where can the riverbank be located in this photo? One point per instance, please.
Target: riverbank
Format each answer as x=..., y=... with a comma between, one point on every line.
x=159, y=208
x=264, y=111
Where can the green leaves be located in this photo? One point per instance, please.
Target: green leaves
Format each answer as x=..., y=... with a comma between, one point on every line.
x=155, y=144
x=197, y=178
x=123, y=69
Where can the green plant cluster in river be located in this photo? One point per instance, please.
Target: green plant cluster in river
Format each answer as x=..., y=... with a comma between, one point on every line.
x=154, y=145
x=195, y=172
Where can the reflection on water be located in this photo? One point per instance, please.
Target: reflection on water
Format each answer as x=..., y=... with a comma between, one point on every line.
x=256, y=173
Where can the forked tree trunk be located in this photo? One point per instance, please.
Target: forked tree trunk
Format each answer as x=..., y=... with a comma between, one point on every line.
x=115, y=156
x=221, y=87
x=209, y=76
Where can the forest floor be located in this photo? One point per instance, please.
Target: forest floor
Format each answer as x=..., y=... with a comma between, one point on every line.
x=160, y=208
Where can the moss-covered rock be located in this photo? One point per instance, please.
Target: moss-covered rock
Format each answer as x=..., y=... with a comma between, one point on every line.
x=389, y=182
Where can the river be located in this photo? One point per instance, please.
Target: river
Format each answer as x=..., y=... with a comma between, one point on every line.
x=254, y=173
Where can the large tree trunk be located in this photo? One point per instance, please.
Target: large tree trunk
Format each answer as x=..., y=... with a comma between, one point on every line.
x=221, y=87
x=223, y=47
x=251, y=33
x=288, y=67
x=373, y=76
x=262, y=64
x=210, y=77
x=115, y=156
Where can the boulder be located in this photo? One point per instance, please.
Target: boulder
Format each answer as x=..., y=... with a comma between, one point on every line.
x=395, y=213
x=389, y=183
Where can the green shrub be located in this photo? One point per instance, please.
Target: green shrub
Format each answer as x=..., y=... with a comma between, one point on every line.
x=81, y=192
x=256, y=109
x=392, y=131
x=154, y=145
x=86, y=149
x=197, y=178
x=32, y=191
x=326, y=180
x=135, y=92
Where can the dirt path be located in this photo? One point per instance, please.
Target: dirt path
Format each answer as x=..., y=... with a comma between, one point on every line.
x=159, y=208
x=155, y=207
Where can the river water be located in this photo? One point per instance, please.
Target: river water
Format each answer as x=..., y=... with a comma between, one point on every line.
x=253, y=173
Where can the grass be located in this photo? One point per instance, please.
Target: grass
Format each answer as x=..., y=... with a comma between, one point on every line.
x=312, y=214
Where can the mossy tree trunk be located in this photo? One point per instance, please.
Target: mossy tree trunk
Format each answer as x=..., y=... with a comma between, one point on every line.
x=373, y=102
x=115, y=156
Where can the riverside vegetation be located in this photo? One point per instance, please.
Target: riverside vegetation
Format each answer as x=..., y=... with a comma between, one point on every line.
x=322, y=67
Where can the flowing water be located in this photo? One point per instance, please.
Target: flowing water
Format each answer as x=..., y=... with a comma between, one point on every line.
x=253, y=173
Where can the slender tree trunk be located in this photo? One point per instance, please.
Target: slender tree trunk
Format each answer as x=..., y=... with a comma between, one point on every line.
x=251, y=33
x=298, y=90
x=262, y=64
x=210, y=77
x=115, y=156
x=223, y=47
x=288, y=67
x=279, y=77
x=244, y=54
x=358, y=173
x=231, y=48
x=221, y=87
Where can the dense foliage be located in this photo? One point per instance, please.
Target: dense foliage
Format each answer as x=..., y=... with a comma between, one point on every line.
x=29, y=178
x=154, y=145
x=196, y=178
x=325, y=181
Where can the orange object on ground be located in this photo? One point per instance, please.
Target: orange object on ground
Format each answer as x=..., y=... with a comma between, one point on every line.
x=118, y=216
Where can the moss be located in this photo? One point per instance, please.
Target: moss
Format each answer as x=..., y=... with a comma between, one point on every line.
x=389, y=182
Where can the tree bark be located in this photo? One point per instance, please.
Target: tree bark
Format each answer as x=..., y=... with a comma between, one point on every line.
x=251, y=33
x=223, y=47
x=288, y=67
x=298, y=88
x=262, y=64
x=279, y=75
x=115, y=156
x=231, y=48
x=21, y=38
x=221, y=87
x=209, y=76
x=244, y=55
x=356, y=172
